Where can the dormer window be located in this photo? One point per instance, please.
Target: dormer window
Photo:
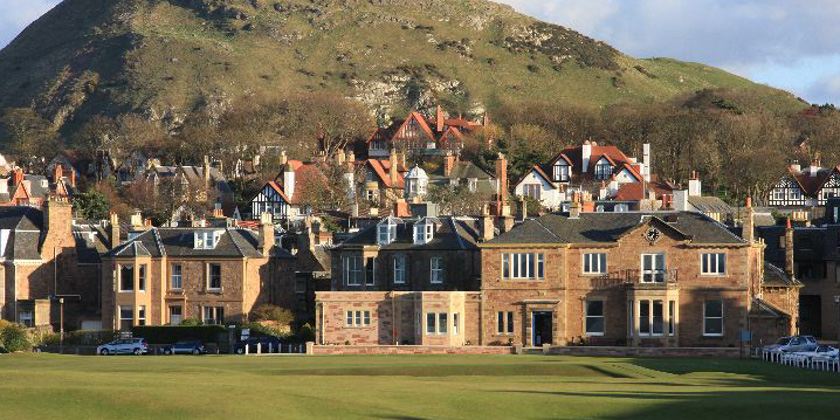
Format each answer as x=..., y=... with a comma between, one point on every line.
x=473, y=184
x=561, y=171
x=206, y=239
x=424, y=231
x=603, y=170
x=386, y=232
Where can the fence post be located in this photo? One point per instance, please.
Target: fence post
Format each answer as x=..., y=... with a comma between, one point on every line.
x=259, y=348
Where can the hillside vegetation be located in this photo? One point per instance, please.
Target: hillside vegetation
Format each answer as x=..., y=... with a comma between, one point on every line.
x=166, y=58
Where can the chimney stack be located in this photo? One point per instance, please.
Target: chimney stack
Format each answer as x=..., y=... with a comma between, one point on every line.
x=523, y=208
x=586, y=154
x=695, y=188
x=340, y=158
x=283, y=159
x=392, y=171
x=488, y=228
x=401, y=208
x=789, y=262
x=439, y=119
x=501, y=183
x=749, y=222
x=114, y=230
x=136, y=221
x=206, y=171
x=266, y=233
x=448, y=163
x=72, y=178
x=17, y=177
x=575, y=206
x=350, y=156
x=58, y=173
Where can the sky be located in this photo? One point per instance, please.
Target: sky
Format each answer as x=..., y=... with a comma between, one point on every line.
x=790, y=44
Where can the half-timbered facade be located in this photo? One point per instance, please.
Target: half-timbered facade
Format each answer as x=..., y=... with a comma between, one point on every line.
x=812, y=186
x=418, y=134
x=271, y=199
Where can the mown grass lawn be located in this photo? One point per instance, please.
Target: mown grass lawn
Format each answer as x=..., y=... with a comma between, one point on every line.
x=45, y=386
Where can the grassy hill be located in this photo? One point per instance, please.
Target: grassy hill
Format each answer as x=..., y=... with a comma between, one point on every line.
x=163, y=58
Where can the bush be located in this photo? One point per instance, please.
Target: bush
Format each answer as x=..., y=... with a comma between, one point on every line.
x=190, y=322
x=305, y=333
x=267, y=312
x=170, y=334
x=90, y=337
x=14, y=337
x=262, y=330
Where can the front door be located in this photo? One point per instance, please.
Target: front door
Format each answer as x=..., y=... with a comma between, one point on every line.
x=541, y=324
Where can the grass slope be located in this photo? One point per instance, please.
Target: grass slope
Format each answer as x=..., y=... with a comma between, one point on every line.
x=422, y=387
x=166, y=57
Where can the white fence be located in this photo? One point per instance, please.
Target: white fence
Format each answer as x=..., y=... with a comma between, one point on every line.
x=825, y=364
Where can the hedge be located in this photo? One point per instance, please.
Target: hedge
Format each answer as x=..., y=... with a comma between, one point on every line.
x=168, y=334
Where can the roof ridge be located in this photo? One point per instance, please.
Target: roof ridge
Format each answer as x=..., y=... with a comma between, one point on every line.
x=457, y=233
x=547, y=229
x=158, y=242
x=236, y=245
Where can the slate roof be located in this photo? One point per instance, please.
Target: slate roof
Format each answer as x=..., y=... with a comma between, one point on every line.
x=776, y=277
x=451, y=233
x=609, y=227
x=25, y=224
x=178, y=242
x=707, y=204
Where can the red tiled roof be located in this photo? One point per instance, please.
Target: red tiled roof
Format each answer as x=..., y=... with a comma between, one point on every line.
x=634, y=191
x=279, y=190
x=383, y=171
x=811, y=185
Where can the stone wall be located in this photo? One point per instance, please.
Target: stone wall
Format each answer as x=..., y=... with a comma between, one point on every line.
x=699, y=352
x=410, y=350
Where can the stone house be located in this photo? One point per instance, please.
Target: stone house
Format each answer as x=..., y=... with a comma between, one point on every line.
x=636, y=278
x=811, y=253
x=42, y=263
x=387, y=275
x=215, y=274
x=419, y=134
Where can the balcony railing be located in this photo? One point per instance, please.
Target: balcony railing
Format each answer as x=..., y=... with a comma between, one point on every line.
x=651, y=278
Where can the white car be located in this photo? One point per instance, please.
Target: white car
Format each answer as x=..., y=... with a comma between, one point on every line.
x=136, y=346
x=821, y=351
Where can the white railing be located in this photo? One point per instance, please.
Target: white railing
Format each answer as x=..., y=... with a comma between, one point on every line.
x=820, y=363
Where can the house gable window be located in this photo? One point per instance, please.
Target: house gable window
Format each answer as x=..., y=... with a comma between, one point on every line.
x=523, y=266
x=206, y=239
x=603, y=169
x=653, y=268
x=713, y=264
x=386, y=231
x=713, y=318
x=532, y=190
x=595, y=263
x=424, y=232
x=561, y=171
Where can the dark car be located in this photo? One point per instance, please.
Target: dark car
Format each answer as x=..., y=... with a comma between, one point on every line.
x=267, y=345
x=185, y=347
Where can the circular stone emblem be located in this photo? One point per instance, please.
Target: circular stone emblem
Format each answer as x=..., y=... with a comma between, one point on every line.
x=652, y=235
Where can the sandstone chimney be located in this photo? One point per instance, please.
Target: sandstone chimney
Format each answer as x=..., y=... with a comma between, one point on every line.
x=439, y=119
x=392, y=171
x=114, y=230
x=266, y=233
x=749, y=222
x=488, y=228
x=448, y=163
x=789, y=262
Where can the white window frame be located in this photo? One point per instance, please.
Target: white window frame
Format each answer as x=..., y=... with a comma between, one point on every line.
x=779, y=194
x=514, y=268
x=594, y=263
x=142, y=276
x=436, y=274
x=424, y=231
x=713, y=264
x=217, y=315
x=386, y=232
x=795, y=194
x=130, y=310
x=654, y=271
x=455, y=322
x=206, y=239
x=27, y=318
x=431, y=328
x=141, y=315
x=443, y=323
x=603, y=170
x=357, y=318
x=649, y=321
x=588, y=316
x=561, y=172
x=176, y=281
x=706, y=318
x=353, y=270
x=399, y=269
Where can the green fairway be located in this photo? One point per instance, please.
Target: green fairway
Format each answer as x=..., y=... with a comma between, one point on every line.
x=407, y=387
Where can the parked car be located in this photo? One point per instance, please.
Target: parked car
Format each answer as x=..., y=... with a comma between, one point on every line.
x=185, y=347
x=794, y=344
x=266, y=344
x=821, y=351
x=136, y=346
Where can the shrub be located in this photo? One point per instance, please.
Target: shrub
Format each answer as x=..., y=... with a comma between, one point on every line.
x=267, y=312
x=190, y=322
x=170, y=334
x=14, y=337
x=258, y=329
x=305, y=333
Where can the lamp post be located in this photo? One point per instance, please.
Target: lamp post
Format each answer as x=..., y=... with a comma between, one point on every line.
x=61, y=324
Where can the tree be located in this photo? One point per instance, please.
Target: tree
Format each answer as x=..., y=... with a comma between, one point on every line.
x=32, y=138
x=92, y=205
x=457, y=200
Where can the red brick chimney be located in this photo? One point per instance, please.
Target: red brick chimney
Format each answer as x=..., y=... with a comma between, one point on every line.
x=401, y=208
x=749, y=222
x=72, y=178
x=58, y=173
x=17, y=177
x=449, y=163
x=502, y=183
x=439, y=119
x=789, y=262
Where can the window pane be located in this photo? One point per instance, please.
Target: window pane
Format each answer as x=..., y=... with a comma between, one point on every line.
x=358, y=317
x=705, y=259
x=586, y=264
x=595, y=308
x=367, y=317
x=541, y=265
x=443, y=323
x=644, y=317
x=722, y=263
x=500, y=322
x=595, y=325
x=430, y=323
x=506, y=266
x=349, y=318
x=714, y=326
x=657, y=317
x=671, y=317
x=713, y=308
x=510, y=322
